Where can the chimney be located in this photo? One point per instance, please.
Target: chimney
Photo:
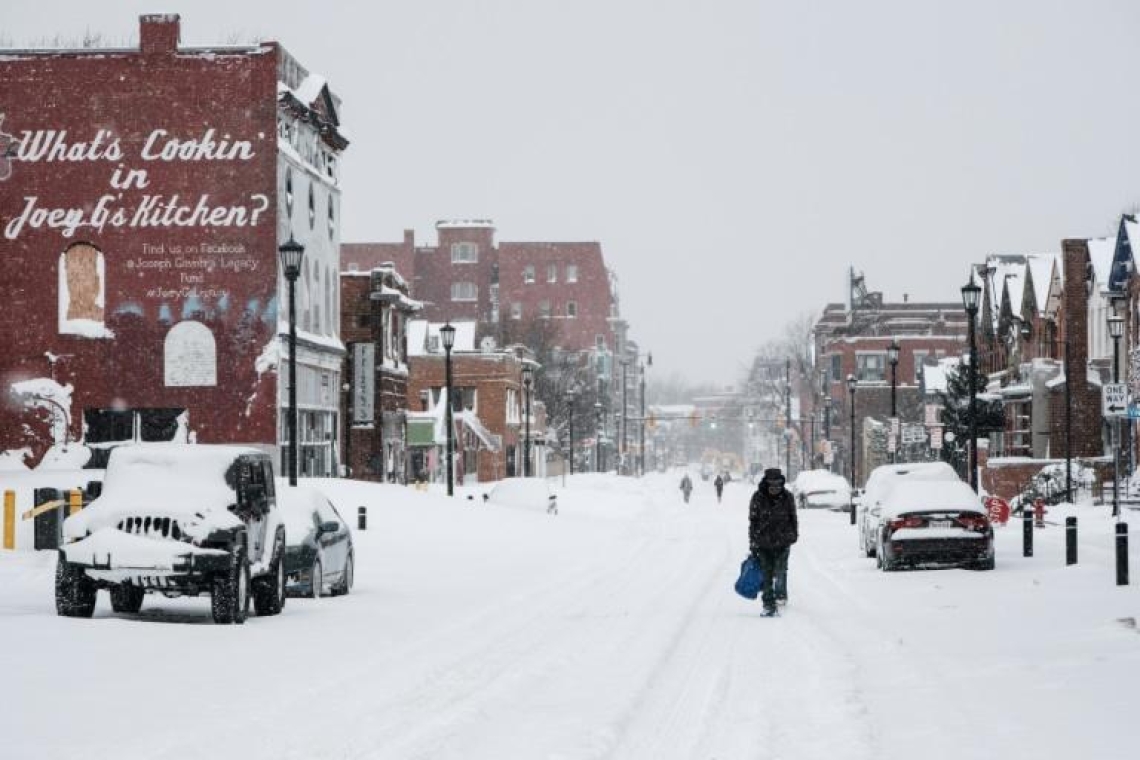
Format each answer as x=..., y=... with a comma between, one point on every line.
x=159, y=33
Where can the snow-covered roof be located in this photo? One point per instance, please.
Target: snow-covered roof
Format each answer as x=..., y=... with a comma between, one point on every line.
x=1042, y=266
x=1101, y=252
x=424, y=340
x=935, y=376
x=464, y=224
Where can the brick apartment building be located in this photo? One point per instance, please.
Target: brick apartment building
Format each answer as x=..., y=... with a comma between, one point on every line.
x=504, y=286
x=852, y=339
x=375, y=310
x=489, y=408
x=144, y=193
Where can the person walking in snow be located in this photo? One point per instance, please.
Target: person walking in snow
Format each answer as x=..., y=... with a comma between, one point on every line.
x=686, y=486
x=773, y=527
x=719, y=485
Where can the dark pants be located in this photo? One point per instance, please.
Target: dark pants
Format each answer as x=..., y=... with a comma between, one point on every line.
x=774, y=563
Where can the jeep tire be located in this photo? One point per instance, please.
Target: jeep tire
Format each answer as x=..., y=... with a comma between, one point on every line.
x=269, y=589
x=74, y=591
x=229, y=594
x=127, y=598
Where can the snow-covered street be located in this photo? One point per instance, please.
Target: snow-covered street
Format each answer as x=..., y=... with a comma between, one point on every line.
x=609, y=631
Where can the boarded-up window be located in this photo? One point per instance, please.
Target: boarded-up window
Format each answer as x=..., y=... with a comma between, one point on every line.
x=81, y=292
x=191, y=356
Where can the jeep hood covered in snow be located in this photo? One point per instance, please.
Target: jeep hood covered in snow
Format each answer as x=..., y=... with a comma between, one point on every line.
x=186, y=485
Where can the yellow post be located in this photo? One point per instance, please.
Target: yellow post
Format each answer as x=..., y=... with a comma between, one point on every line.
x=9, y=519
x=74, y=501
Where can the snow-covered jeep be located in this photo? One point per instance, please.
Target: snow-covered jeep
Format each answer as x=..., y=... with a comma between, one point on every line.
x=177, y=519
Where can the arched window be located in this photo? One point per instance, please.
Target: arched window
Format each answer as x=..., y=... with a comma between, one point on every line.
x=190, y=356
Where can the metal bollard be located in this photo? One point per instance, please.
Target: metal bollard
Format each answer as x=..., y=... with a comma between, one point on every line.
x=362, y=518
x=852, y=513
x=1070, y=540
x=1122, y=554
x=9, y=519
x=74, y=501
x=1027, y=531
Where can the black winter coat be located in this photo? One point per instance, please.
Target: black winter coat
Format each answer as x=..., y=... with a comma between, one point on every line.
x=772, y=521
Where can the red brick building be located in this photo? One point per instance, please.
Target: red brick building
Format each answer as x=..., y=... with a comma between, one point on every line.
x=489, y=405
x=375, y=309
x=468, y=276
x=852, y=339
x=143, y=196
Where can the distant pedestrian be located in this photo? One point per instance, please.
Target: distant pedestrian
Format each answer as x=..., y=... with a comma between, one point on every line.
x=686, y=486
x=719, y=485
x=773, y=527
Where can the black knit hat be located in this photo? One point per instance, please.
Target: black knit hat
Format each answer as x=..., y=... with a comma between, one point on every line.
x=774, y=475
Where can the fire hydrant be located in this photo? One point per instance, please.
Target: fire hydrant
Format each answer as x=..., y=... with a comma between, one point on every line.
x=1039, y=513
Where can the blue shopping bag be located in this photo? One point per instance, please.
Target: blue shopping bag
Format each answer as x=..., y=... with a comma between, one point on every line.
x=751, y=578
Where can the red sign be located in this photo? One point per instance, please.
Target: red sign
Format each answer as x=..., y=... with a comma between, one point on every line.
x=998, y=509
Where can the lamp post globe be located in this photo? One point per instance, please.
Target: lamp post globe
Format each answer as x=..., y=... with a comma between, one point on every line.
x=447, y=338
x=292, y=253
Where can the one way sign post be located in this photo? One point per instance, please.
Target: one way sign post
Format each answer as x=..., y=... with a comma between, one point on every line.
x=1114, y=400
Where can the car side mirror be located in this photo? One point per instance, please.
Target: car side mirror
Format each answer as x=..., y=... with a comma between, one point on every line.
x=330, y=526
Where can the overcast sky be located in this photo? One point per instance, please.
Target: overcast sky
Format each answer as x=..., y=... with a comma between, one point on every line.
x=733, y=157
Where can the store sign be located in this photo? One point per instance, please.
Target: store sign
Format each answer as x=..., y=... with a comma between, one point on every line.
x=363, y=383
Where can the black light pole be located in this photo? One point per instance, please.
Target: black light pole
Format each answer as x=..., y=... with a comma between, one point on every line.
x=528, y=378
x=851, y=386
x=570, y=406
x=641, y=445
x=1115, y=330
x=971, y=293
x=893, y=357
x=447, y=336
x=291, y=254
x=598, y=437
x=623, y=465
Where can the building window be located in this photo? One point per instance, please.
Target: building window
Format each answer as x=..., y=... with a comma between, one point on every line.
x=312, y=207
x=871, y=367
x=528, y=274
x=464, y=291
x=516, y=310
x=571, y=273
x=464, y=253
x=552, y=273
x=571, y=309
x=919, y=360
x=600, y=342
x=289, y=193
x=836, y=368
x=332, y=218
x=544, y=308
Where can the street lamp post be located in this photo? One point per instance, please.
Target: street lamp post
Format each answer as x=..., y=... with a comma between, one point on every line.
x=623, y=466
x=528, y=378
x=570, y=407
x=598, y=436
x=893, y=357
x=1115, y=330
x=447, y=337
x=851, y=386
x=292, y=254
x=641, y=443
x=971, y=293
